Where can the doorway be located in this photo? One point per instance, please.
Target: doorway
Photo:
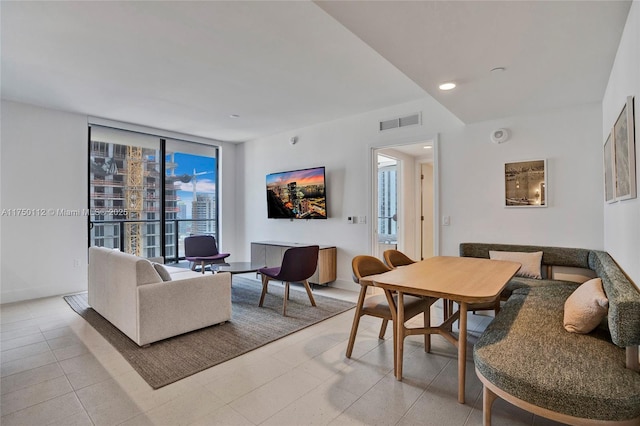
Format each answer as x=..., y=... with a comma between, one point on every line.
x=404, y=200
x=387, y=203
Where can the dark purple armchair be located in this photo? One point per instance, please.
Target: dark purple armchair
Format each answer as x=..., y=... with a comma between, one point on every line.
x=298, y=265
x=202, y=249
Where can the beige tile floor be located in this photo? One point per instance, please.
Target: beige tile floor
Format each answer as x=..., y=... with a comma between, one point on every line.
x=57, y=370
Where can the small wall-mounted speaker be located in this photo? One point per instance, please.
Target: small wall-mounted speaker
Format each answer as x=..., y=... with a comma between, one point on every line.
x=500, y=135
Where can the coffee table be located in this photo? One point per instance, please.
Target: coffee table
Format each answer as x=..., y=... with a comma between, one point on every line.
x=236, y=267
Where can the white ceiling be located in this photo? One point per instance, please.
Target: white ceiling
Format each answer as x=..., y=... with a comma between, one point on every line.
x=187, y=66
x=555, y=53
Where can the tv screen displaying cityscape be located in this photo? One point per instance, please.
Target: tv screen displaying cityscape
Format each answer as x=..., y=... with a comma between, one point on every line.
x=297, y=194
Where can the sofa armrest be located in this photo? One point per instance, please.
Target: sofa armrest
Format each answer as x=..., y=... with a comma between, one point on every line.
x=170, y=308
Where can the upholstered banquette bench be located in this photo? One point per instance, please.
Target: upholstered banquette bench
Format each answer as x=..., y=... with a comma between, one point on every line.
x=528, y=357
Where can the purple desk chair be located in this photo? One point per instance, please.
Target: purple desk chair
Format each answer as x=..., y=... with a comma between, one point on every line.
x=202, y=249
x=298, y=265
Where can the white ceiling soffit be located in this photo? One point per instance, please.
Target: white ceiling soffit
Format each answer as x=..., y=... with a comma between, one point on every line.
x=188, y=66
x=555, y=53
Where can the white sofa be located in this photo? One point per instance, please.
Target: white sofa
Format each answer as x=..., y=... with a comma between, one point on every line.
x=128, y=292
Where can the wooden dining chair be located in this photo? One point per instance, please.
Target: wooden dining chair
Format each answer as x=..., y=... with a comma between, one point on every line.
x=395, y=258
x=378, y=305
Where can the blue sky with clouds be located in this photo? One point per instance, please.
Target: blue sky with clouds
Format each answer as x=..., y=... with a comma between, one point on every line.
x=186, y=164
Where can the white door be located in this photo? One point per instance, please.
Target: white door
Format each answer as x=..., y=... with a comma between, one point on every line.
x=426, y=196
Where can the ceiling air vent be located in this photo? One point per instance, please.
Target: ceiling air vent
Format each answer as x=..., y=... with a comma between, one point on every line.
x=394, y=123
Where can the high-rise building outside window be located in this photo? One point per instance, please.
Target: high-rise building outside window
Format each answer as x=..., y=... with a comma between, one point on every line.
x=387, y=200
x=138, y=209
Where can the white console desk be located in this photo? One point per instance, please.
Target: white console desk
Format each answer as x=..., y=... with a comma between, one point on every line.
x=270, y=253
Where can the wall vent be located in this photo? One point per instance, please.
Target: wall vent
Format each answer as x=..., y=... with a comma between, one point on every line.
x=394, y=123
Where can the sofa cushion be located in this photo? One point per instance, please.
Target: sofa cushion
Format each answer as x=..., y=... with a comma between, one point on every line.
x=184, y=274
x=530, y=262
x=526, y=352
x=517, y=283
x=586, y=307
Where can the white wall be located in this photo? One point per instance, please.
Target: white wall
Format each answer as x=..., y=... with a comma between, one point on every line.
x=622, y=219
x=425, y=246
x=44, y=166
x=471, y=179
x=344, y=148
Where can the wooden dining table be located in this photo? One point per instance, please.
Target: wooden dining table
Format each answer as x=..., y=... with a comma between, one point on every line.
x=464, y=280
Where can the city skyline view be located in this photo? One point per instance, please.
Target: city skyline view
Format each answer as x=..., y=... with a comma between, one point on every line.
x=206, y=172
x=132, y=205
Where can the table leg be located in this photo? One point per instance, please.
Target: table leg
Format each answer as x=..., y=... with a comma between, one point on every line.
x=399, y=335
x=462, y=350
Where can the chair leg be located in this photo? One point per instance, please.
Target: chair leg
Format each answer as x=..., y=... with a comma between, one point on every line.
x=356, y=321
x=383, y=328
x=265, y=284
x=286, y=297
x=306, y=286
x=203, y=267
x=192, y=265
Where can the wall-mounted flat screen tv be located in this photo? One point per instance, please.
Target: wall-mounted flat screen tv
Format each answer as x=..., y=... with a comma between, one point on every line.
x=297, y=194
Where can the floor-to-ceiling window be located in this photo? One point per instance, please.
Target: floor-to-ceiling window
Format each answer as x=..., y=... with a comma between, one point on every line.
x=191, y=197
x=146, y=192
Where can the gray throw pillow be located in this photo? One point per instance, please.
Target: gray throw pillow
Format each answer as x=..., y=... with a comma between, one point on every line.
x=162, y=271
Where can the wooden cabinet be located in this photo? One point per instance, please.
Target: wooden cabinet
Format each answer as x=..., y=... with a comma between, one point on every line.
x=270, y=253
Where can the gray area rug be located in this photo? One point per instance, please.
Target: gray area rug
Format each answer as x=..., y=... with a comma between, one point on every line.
x=250, y=327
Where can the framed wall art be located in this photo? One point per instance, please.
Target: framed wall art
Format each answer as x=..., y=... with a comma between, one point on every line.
x=609, y=170
x=525, y=183
x=624, y=153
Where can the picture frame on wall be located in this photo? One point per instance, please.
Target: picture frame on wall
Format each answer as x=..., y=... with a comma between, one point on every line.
x=609, y=170
x=624, y=153
x=525, y=183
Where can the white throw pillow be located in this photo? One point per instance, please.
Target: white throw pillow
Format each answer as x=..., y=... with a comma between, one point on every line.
x=586, y=307
x=530, y=262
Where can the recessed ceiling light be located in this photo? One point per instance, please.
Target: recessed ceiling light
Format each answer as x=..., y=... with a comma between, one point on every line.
x=427, y=147
x=447, y=86
x=234, y=116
